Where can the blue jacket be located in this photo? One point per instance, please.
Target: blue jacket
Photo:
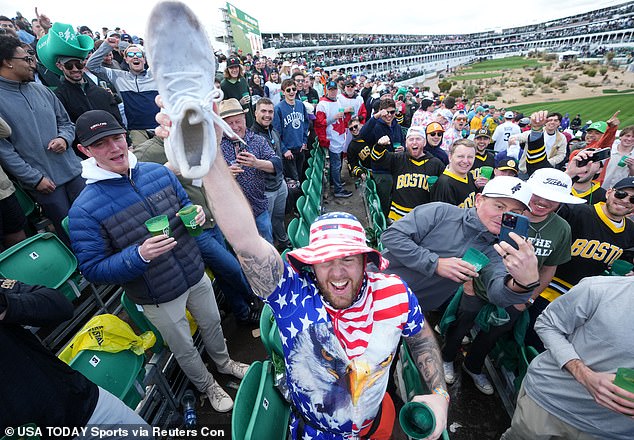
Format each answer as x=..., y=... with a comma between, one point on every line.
x=292, y=124
x=107, y=226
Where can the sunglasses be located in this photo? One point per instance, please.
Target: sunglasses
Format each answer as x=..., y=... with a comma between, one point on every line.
x=436, y=133
x=28, y=59
x=391, y=112
x=290, y=89
x=134, y=54
x=68, y=65
x=620, y=194
x=354, y=127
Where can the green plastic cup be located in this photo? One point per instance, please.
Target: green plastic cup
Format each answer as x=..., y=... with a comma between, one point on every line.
x=622, y=161
x=431, y=180
x=341, y=110
x=475, y=257
x=625, y=379
x=159, y=225
x=188, y=216
x=621, y=267
x=417, y=420
x=486, y=172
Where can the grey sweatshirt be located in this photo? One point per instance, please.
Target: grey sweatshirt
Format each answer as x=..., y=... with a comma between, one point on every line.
x=592, y=322
x=440, y=230
x=36, y=117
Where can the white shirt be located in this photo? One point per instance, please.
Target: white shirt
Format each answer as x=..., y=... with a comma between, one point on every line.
x=502, y=134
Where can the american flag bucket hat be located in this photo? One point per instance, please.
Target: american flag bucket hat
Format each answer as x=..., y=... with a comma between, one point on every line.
x=335, y=235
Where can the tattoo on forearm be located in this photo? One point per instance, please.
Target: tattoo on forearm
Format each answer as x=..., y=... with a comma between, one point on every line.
x=426, y=354
x=263, y=272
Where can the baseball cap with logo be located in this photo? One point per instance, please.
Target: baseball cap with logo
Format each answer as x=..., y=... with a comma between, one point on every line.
x=483, y=132
x=509, y=115
x=233, y=61
x=434, y=127
x=553, y=185
x=95, y=125
x=508, y=187
x=599, y=126
x=627, y=182
x=504, y=162
x=331, y=85
x=334, y=235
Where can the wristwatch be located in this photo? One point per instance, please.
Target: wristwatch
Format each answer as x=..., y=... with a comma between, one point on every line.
x=526, y=287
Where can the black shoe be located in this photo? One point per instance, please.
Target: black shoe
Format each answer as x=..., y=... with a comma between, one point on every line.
x=252, y=319
x=344, y=194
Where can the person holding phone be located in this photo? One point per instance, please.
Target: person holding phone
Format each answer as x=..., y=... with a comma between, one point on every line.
x=550, y=236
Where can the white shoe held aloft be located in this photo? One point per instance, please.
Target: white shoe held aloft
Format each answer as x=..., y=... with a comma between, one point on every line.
x=236, y=369
x=219, y=399
x=182, y=61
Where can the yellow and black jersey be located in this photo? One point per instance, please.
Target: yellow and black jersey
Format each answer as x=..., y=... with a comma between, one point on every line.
x=596, y=243
x=486, y=159
x=410, y=187
x=594, y=195
x=454, y=189
x=359, y=157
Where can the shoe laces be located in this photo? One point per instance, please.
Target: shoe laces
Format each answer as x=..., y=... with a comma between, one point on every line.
x=183, y=94
x=217, y=393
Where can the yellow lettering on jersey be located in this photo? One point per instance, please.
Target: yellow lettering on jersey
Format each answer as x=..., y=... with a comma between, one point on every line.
x=8, y=284
x=469, y=202
x=590, y=249
x=578, y=246
x=364, y=153
x=409, y=180
x=614, y=255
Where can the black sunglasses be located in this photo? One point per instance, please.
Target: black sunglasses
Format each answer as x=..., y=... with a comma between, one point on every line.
x=620, y=194
x=354, y=127
x=391, y=112
x=68, y=65
x=28, y=59
x=436, y=133
x=290, y=89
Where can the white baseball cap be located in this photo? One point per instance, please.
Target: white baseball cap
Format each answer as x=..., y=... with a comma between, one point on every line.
x=510, y=188
x=553, y=185
x=509, y=115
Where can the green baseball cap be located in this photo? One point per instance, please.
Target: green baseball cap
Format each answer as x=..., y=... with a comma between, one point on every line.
x=599, y=126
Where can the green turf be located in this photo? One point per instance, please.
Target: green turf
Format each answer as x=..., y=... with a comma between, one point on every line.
x=474, y=76
x=609, y=91
x=503, y=63
x=596, y=109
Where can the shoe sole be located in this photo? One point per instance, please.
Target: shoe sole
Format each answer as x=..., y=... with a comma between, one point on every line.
x=191, y=146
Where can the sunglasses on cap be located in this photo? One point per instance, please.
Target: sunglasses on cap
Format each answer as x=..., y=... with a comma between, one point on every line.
x=290, y=89
x=134, y=54
x=620, y=194
x=436, y=133
x=78, y=64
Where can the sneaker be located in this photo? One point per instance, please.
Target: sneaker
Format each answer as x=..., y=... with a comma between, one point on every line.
x=219, y=399
x=450, y=375
x=184, y=68
x=480, y=380
x=343, y=194
x=236, y=369
x=252, y=319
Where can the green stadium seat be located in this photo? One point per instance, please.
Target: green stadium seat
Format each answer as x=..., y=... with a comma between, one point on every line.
x=119, y=373
x=65, y=225
x=292, y=231
x=26, y=202
x=142, y=323
x=302, y=234
x=42, y=260
x=269, y=332
x=259, y=411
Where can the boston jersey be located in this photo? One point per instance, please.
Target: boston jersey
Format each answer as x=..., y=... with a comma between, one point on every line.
x=596, y=243
x=455, y=190
x=486, y=159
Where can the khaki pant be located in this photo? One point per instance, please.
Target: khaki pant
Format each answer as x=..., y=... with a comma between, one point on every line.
x=532, y=422
x=137, y=137
x=170, y=320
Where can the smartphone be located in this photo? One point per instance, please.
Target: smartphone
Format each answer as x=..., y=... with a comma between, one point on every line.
x=512, y=222
x=597, y=156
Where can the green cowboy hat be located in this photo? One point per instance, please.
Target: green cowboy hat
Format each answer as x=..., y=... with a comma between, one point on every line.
x=62, y=41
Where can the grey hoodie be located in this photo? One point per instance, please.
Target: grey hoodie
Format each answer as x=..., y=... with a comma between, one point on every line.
x=414, y=243
x=35, y=116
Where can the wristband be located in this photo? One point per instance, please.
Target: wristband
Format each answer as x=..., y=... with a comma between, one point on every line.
x=441, y=392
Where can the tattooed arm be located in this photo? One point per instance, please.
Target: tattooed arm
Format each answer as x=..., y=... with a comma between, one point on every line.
x=426, y=355
x=260, y=262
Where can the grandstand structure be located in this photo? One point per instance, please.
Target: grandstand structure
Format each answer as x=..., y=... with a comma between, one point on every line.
x=589, y=34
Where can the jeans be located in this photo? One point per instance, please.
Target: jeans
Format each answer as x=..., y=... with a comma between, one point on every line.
x=483, y=343
x=227, y=270
x=57, y=204
x=335, y=172
x=170, y=320
x=263, y=223
x=277, y=211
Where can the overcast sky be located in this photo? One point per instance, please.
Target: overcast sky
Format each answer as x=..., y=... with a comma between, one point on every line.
x=363, y=16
